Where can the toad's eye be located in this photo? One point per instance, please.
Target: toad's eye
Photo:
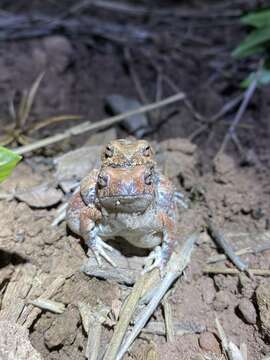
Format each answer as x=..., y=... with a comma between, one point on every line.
x=102, y=181
x=108, y=151
x=147, y=151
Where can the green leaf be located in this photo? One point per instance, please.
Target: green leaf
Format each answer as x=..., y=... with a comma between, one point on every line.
x=256, y=38
x=253, y=50
x=8, y=160
x=258, y=19
x=263, y=78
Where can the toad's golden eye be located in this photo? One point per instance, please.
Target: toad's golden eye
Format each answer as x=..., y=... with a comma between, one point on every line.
x=108, y=151
x=147, y=151
x=102, y=181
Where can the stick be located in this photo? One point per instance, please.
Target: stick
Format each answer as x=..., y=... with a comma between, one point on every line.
x=223, y=111
x=24, y=27
x=179, y=329
x=86, y=126
x=137, y=82
x=187, y=103
x=96, y=318
x=175, y=267
x=31, y=313
x=247, y=96
x=248, y=250
x=48, y=305
x=124, y=319
x=222, y=336
x=166, y=79
x=228, y=347
x=230, y=105
x=159, y=91
x=229, y=271
x=139, y=10
x=222, y=257
x=168, y=320
x=221, y=242
x=93, y=340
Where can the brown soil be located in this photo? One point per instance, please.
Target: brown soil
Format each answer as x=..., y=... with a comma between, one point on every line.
x=233, y=188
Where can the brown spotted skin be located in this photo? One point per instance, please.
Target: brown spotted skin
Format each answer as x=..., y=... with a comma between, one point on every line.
x=126, y=197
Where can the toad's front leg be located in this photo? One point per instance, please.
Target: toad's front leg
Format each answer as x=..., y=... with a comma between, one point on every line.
x=89, y=231
x=167, y=218
x=161, y=254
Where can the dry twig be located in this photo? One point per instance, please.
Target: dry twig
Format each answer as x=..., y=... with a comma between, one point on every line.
x=45, y=304
x=96, y=318
x=222, y=112
x=155, y=116
x=248, y=250
x=174, y=87
x=246, y=99
x=179, y=329
x=87, y=126
x=139, y=10
x=229, y=348
x=222, y=257
x=30, y=313
x=137, y=83
x=124, y=319
x=22, y=26
x=168, y=319
x=224, y=245
x=229, y=271
x=174, y=269
x=187, y=102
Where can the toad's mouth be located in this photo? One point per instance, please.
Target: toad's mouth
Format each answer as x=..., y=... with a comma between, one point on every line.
x=123, y=196
x=126, y=203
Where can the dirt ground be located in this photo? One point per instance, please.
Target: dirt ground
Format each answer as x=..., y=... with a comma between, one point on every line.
x=190, y=45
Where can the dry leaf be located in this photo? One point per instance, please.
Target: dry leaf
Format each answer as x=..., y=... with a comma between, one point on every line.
x=41, y=196
x=74, y=165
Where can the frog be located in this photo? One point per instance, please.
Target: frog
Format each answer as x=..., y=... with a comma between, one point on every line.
x=127, y=197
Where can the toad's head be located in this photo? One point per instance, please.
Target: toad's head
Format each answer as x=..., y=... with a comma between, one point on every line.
x=126, y=189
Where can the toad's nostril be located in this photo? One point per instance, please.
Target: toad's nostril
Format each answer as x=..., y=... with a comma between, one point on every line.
x=102, y=181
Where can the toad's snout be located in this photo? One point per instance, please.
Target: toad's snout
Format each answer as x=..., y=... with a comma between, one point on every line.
x=126, y=189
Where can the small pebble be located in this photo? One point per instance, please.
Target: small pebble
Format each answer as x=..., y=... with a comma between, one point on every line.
x=228, y=283
x=246, y=285
x=208, y=292
x=247, y=311
x=222, y=300
x=208, y=342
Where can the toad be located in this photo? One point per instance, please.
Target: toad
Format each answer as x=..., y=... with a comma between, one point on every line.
x=126, y=197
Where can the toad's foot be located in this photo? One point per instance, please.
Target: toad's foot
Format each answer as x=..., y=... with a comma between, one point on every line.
x=155, y=260
x=98, y=247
